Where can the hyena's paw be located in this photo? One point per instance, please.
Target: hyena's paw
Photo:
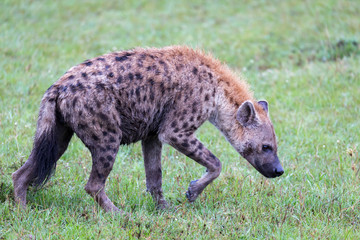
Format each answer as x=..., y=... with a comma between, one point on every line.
x=192, y=192
x=162, y=204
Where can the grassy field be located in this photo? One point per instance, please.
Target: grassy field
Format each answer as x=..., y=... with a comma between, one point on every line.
x=302, y=56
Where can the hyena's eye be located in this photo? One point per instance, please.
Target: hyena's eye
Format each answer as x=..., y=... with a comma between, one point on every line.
x=266, y=148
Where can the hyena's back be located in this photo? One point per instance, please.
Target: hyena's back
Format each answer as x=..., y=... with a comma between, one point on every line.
x=129, y=95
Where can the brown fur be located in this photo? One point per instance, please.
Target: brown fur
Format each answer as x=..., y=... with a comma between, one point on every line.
x=153, y=95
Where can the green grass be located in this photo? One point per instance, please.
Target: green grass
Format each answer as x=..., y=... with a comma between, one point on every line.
x=302, y=56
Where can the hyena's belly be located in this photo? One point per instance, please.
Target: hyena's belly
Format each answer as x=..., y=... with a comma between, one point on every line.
x=138, y=120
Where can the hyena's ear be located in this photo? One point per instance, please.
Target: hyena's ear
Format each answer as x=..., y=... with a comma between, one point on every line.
x=246, y=114
x=264, y=105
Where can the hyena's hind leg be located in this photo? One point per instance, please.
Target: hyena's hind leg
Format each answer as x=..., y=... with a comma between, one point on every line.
x=103, y=158
x=151, y=148
x=59, y=137
x=103, y=141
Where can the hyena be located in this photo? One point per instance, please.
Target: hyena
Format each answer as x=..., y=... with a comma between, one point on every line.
x=158, y=96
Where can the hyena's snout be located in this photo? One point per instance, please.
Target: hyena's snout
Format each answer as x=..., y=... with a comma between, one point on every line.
x=272, y=169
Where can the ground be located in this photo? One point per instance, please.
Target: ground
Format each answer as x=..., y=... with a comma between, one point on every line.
x=302, y=57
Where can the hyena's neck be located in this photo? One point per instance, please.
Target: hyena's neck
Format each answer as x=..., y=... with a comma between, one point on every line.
x=232, y=91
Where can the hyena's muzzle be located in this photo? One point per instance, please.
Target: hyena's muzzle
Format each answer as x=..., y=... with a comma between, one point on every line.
x=270, y=169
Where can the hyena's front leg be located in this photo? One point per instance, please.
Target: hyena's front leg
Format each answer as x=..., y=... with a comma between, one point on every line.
x=194, y=149
x=151, y=148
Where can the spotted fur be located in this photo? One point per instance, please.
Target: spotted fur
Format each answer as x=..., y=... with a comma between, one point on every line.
x=154, y=95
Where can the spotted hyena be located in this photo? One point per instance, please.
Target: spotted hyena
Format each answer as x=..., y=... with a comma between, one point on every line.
x=154, y=95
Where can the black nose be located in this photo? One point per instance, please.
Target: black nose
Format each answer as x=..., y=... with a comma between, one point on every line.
x=271, y=170
x=278, y=170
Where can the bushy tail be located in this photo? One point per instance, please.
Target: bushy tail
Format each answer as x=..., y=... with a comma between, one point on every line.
x=45, y=149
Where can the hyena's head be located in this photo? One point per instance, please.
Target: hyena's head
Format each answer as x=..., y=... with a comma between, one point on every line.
x=258, y=142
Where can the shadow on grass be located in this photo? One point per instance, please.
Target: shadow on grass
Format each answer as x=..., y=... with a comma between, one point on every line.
x=6, y=192
x=343, y=48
